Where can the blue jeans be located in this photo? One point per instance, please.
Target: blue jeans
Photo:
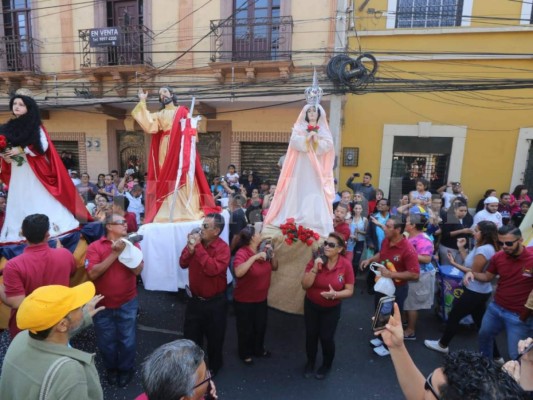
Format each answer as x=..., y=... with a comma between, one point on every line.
x=115, y=335
x=495, y=320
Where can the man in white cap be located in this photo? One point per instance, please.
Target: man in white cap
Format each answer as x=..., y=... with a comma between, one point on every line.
x=39, y=362
x=489, y=213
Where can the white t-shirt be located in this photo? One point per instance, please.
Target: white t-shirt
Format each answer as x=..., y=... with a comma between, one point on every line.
x=484, y=215
x=486, y=251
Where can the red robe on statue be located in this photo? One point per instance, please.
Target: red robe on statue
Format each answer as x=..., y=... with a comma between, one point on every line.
x=52, y=173
x=162, y=180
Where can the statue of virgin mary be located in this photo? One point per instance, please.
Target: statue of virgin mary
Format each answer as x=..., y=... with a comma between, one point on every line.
x=305, y=188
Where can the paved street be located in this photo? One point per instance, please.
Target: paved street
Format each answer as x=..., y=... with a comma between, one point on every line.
x=357, y=372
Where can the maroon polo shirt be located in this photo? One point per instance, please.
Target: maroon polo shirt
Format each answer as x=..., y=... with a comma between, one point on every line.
x=402, y=254
x=253, y=286
x=39, y=265
x=118, y=284
x=343, y=229
x=207, y=268
x=340, y=275
x=516, y=279
x=131, y=220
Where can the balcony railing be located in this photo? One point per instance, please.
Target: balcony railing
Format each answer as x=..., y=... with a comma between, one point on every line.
x=17, y=54
x=250, y=39
x=131, y=49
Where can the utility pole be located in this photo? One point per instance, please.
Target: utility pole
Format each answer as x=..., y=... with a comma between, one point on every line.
x=337, y=100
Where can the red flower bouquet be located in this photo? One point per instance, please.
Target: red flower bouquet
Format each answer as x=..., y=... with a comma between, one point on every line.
x=4, y=145
x=312, y=128
x=293, y=233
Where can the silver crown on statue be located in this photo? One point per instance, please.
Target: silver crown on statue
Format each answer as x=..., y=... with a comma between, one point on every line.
x=313, y=94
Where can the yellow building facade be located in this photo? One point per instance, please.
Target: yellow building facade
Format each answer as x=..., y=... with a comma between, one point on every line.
x=452, y=97
x=246, y=62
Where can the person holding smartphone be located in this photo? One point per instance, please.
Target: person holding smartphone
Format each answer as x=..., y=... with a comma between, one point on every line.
x=253, y=267
x=326, y=282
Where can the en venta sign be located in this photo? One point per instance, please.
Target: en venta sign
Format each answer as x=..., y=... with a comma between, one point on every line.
x=104, y=37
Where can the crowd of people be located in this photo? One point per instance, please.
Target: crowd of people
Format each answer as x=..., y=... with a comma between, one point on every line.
x=409, y=242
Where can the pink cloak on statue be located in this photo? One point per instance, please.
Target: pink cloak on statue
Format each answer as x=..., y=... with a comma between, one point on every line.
x=305, y=189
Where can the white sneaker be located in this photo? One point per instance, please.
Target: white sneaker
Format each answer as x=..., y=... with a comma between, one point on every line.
x=376, y=342
x=381, y=351
x=434, y=345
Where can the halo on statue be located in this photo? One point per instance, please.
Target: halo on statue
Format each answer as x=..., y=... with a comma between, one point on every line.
x=313, y=94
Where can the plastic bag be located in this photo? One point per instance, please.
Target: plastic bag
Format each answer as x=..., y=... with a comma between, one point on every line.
x=383, y=285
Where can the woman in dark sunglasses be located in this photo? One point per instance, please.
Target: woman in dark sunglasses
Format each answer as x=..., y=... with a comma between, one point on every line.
x=327, y=280
x=254, y=262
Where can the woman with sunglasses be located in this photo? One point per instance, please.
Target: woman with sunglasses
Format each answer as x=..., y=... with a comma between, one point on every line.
x=327, y=281
x=253, y=264
x=474, y=298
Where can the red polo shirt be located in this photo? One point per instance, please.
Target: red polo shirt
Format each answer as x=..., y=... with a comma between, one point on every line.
x=131, y=220
x=39, y=265
x=516, y=279
x=118, y=284
x=253, y=286
x=402, y=255
x=343, y=229
x=340, y=275
x=207, y=268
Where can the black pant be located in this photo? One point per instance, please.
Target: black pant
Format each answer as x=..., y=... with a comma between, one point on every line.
x=251, y=319
x=207, y=318
x=357, y=254
x=470, y=303
x=320, y=323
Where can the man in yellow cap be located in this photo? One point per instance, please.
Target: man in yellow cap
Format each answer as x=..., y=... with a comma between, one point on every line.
x=39, y=361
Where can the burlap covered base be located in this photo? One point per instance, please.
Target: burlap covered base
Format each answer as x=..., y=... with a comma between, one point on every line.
x=286, y=293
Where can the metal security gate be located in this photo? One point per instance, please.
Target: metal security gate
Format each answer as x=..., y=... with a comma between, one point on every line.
x=262, y=158
x=414, y=158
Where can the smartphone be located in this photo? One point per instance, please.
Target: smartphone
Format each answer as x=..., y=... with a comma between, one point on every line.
x=525, y=351
x=383, y=313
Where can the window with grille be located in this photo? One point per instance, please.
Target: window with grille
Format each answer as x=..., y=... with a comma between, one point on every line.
x=428, y=13
x=17, y=37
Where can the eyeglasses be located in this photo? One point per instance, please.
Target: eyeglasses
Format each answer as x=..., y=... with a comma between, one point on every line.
x=207, y=379
x=330, y=244
x=429, y=386
x=121, y=222
x=508, y=244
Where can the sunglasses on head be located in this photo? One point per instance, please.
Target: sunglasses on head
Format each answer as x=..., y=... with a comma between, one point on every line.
x=119, y=222
x=508, y=244
x=429, y=386
x=331, y=245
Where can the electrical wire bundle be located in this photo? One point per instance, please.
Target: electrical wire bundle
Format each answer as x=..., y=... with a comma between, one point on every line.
x=352, y=72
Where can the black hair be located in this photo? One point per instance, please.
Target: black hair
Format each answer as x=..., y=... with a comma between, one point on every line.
x=470, y=375
x=173, y=95
x=219, y=221
x=41, y=335
x=368, y=174
x=122, y=202
x=244, y=237
x=510, y=230
x=340, y=241
x=525, y=202
x=418, y=220
x=398, y=222
x=26, y=129
x=488, y=192
x=35, y=227
x=503, y=194
x=518, y=189
x=424, y=182
x=489, y=234
x=317, y=110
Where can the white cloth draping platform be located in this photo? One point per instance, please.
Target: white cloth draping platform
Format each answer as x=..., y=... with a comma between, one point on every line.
x=162, y=245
